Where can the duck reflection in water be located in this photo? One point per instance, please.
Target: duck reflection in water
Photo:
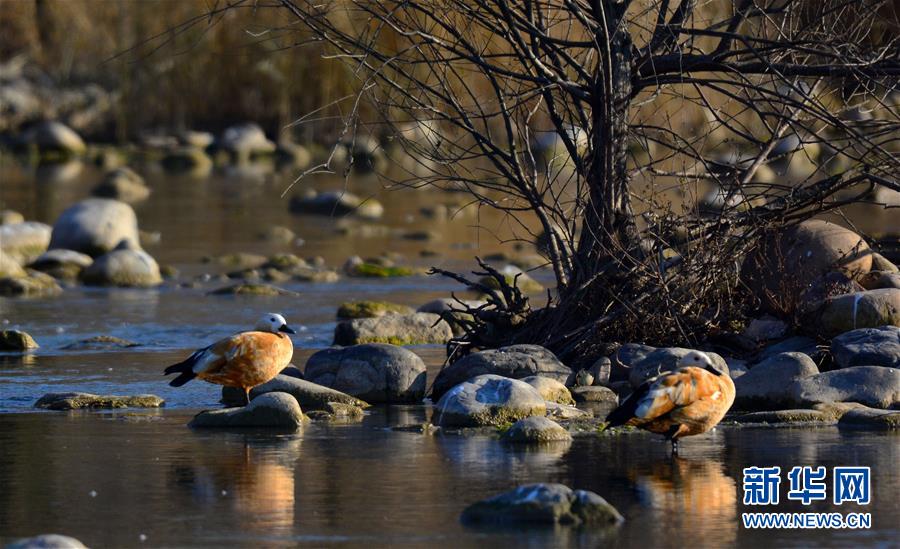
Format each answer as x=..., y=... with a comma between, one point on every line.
x=689, y=495
x=255, y=479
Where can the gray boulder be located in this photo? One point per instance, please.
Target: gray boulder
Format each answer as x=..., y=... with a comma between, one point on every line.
x=601, y=370
x=75, y=401
x=645, y=362
x=795, y=344
x=875, y=386
x=764, y=329
x=336, y=203
x=550, y=389
x=374, y=372
x=54, y=136
x=414, y=329
x=16, y=340
x=276, y=410
x=544, y=503
x=595, y=393
x=311, y=396
x=488, y=400
x=867, y=347
x=23, y=242
x=769, y=384
x=514, y=361
x=122, y=184
x=123, y=267
x=47, y=541
x=868, y=309
x=536, y=429
x=245, y=140
x=870, y=418
x=95, y=226
x=62, y=264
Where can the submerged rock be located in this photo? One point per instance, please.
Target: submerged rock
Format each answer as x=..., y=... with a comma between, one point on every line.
x=100, y=343
x=514, y=361
x=769, y=384
x=372, y=372
x=95, y=226
x=867, y=347
x=16, y=340
x=488, y=400
x=47, y=541
x=875, y=386
x=536, y=429
x=414, y=329
x=550, y=389
x=275, y=410
x=801, y=415
x=310, y=396
x=868, y=309
x=337, y=412
x=356, y=267
x=75, y=401
x=870, y=418
x=122, y=184
x=266, y=290
x=126, y=267
x=336, y=203
x=371, y=309
x=544, y=503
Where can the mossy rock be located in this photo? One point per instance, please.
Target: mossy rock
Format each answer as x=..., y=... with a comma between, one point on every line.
x=35, y=284
x=285, y=261
x=524, y=282
x=100, y=342
x=263, y=290
x=75, y=401
x=16, y=340
x=371, y=270
x=371, y=309
x=787, y=416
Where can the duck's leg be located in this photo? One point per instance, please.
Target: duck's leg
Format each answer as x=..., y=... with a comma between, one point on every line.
x=247, y=395
x=672, y=435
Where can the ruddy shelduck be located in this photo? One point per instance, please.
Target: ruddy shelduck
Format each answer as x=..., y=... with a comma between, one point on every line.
x=688, y=401
x=244, y=360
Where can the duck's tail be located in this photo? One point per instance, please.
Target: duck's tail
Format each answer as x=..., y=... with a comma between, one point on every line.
x=185, y=370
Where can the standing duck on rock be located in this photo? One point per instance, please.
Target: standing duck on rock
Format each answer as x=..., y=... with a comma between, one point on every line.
x=244, y=360
x=689, y=401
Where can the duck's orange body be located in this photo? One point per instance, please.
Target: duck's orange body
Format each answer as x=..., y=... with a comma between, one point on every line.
x=243, y=360
x=688, y=401
x=247, y=359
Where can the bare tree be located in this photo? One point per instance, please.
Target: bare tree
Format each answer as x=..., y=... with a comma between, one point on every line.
x=595, y=116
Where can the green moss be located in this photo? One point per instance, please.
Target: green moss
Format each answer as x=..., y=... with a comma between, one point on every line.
x=253, y=289
x=393, y=340
x=370, y=309
x=378, y=271
x=525, y=283
x=74, y=401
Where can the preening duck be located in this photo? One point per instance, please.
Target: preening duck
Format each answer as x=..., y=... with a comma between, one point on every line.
x=244, y=360
x=688, y=401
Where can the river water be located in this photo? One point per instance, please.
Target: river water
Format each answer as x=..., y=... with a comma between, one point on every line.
x=143, y=479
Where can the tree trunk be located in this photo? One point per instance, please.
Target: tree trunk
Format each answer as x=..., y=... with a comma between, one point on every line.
x=608, y=229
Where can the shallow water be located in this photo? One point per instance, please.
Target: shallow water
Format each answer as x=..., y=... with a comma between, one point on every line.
x=110, y=478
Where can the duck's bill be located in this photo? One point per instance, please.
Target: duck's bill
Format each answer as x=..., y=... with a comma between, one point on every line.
x=287, y=329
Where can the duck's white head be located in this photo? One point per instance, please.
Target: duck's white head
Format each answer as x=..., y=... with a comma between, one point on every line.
x=275, y=323
x=700, y=360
